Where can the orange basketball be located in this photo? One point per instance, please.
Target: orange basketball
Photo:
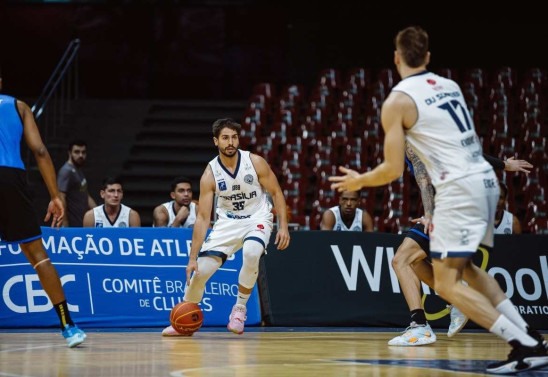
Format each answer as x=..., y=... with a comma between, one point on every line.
x=186, y=317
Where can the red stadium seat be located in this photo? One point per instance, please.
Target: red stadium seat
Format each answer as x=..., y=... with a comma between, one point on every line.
x=388, y=77
x=478, y=77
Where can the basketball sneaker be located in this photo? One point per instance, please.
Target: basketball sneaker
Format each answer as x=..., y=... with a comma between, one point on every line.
x=414, y=335
x=170, y=331
x=73, y=335
x=520, y=359
x=237, y=319
x=458, y=321
x=537, y=336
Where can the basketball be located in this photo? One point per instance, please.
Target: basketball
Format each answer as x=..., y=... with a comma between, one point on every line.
x=186, y=317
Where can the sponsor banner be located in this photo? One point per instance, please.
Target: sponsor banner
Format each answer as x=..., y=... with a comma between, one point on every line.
x=346, y=279
x=115, y=277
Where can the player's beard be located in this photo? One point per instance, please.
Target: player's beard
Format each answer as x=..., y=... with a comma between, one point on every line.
x=232, y=152
x=78, y=162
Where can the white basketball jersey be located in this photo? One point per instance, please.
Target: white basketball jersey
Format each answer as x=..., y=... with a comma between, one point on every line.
x=102, y=220
x=190, y=220
x=506, y=224
x=356, y=225
x=443, y=137
x=239, y=195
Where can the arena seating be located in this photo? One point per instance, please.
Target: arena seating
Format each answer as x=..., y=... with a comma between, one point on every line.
x=305, y=133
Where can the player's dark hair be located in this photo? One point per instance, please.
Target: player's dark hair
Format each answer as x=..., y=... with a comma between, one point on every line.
x=111, y=181
x=78, y=142
x=412, y=44
x=219, y=124
x=180, y=179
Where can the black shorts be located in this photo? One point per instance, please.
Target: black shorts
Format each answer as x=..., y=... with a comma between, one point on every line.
x=416, y=233
x=18, y=219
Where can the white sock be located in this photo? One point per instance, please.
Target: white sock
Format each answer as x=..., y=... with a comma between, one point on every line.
x=509, y=310
x=508, y=331
x=242, y=299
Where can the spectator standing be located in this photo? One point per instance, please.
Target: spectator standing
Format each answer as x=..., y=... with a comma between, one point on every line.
x=73, y=186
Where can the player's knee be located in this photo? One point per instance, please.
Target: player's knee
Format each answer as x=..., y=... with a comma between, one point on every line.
x=403, y=257
x=398, y=259
x=252, y=252
x=34, y=251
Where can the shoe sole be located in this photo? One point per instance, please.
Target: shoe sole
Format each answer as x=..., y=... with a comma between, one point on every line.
x=77, y=342
x=416, y=344
x=510, y=368
x=235, y=331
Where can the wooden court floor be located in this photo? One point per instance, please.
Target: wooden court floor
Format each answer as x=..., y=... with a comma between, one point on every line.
x=259, y=352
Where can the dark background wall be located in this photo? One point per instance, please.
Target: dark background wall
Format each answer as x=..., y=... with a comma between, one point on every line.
x=219, y=50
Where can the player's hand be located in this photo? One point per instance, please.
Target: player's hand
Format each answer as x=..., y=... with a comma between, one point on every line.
x=191, y=267
x=182, y=215
x=350, y=181
x=56, y=212
x=282, y=238
x=511, y=164
x=424, y=220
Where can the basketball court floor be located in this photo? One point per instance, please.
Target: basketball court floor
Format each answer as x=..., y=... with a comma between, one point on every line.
x=258, y=352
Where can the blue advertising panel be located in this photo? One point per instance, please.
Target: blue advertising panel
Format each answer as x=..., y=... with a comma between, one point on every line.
x=115, y=277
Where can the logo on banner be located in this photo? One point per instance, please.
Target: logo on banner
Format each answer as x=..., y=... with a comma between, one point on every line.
x=526, y=282
x=36, y=299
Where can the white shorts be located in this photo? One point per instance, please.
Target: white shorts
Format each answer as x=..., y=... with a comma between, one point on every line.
x=228, y=235
x=464, y=215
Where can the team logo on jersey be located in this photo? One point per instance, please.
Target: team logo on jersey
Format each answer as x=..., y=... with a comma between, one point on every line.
x=222, y=185
x=431, y=81
x=260, y=226
x=248, y=179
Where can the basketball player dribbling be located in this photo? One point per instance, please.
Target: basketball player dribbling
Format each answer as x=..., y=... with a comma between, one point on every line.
x=240, y=180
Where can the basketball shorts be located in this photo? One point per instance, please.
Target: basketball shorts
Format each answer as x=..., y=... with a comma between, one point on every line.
x=18, y=218
x=464, y=215
x=416, y=233
x=229, y=235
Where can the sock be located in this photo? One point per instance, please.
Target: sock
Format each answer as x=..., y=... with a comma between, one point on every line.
x=63, y=314
x=242, y=298
x=508, y=331
x=509, y=310
x=418, y=316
